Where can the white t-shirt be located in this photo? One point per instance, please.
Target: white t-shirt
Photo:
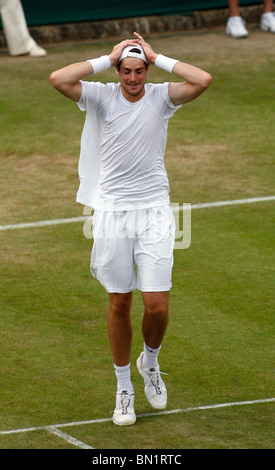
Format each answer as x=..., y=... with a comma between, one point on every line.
x=121, y=164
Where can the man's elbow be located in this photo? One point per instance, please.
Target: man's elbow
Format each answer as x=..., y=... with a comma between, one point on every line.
x=207, y=79
x=55, y=80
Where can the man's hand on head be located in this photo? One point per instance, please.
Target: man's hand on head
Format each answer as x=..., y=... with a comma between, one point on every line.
x=150, y=54
x=117, y=50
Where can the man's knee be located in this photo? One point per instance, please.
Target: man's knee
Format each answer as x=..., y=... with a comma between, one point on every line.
x=156, y=304
x=120, y=303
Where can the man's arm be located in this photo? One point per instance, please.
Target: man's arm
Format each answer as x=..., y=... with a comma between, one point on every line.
x=67, y=79
x=195, y=80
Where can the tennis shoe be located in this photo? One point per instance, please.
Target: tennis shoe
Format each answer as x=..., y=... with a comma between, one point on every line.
x=37, y=51
x=268, y=22
x=124, y=413
x=155, y=390
x=235, y=27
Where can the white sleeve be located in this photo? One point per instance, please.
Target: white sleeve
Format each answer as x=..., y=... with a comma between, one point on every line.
x=167, y=98
x=81, y=102
x=89, y=94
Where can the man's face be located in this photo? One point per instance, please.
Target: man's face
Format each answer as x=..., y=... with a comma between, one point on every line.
x=132, y=74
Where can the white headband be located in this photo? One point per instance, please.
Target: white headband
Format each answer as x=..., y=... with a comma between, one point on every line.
x=131, y=51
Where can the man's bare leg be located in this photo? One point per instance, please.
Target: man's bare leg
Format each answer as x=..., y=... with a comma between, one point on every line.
x=120, y=335
x=155, y=318
x=154, y=325
x=120, y=328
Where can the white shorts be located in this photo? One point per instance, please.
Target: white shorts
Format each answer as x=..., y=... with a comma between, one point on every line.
x=134, y=249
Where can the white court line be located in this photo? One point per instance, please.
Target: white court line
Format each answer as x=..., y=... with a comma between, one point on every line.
x=43, y=223
x=54, y=429
x=142, y=415
x=233, y=202
x=68, y=438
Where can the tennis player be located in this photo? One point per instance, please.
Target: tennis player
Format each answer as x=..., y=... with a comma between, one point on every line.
x=123, y=178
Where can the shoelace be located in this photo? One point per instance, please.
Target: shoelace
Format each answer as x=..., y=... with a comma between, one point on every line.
x=125, y=402
x=154, y=371
x=154, y=377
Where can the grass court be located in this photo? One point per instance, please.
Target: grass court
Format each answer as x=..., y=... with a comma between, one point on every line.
x=56, y=366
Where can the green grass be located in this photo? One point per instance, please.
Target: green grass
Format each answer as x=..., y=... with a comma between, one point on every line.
x=56, y=365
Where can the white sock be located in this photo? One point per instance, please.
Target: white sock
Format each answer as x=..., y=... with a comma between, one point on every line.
x=123, y=375
x=150, y=357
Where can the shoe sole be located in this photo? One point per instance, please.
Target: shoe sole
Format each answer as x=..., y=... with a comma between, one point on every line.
x=125, y=423
x=266, y=29
x=237, y=37
x=240, y=36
